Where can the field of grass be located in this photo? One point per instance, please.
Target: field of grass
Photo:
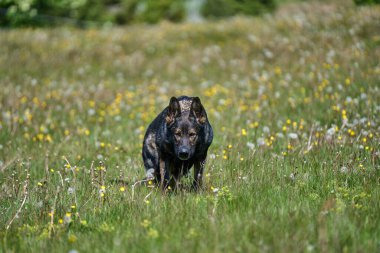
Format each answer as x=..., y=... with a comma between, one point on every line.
x=294, y=100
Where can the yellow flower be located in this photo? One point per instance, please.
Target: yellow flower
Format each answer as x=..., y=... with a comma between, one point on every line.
x=277, y=70
x=122, y=189
x=145, y=223
x=243, y=132
x=40, y=136
x=153, y=233
x=72, y=238
x=48, y=138
x=254, y=125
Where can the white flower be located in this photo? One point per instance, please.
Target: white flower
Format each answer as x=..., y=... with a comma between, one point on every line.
x=91, y=112
x=70, y=190
x=293, y=136
x=343, y=169
x=331, y=131
x=260, y=141
x=266, y=129
x=250, y=145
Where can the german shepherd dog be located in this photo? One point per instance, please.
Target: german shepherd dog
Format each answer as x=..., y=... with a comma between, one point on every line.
x=177, y=139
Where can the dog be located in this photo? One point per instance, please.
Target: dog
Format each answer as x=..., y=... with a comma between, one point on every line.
x=177, y=139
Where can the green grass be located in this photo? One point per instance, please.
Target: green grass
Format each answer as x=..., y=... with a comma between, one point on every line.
x=294, y=100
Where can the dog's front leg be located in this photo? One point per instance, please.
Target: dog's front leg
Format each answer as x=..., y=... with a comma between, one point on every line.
x=198, y=174
x=164, y=173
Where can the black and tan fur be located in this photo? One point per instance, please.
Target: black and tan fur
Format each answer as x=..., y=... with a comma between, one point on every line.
x=177, y=139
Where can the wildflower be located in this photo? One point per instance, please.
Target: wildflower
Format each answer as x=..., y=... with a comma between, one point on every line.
x=250, y=145
x=40, y=136
x=254, y=125
x=343, y=170
x=67, y=219
x=70, y=190
x=145, y=223
x=293, y=136
x=153, y=233
x=122, y=189
x=72, y=238
x=102, y=191
x=331, y=131
x=48, y=138
x=277, y=70
x=244, y=132
x=260, y=142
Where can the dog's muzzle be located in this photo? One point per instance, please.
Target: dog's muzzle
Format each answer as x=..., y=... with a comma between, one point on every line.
x=183, y=154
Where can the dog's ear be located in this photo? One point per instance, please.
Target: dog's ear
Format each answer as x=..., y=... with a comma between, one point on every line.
x=174, y=111
x=198, y=111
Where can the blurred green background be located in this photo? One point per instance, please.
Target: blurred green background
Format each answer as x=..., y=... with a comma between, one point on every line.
x=15, y=13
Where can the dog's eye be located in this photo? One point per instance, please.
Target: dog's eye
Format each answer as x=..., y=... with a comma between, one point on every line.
x=192, y=134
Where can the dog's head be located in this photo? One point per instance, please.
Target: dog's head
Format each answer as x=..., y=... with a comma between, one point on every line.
x=185, y=121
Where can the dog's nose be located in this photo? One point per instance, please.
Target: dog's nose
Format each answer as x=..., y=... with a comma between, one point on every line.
x=183, y=153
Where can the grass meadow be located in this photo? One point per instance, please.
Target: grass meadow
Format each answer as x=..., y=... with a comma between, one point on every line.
x=294, y=100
